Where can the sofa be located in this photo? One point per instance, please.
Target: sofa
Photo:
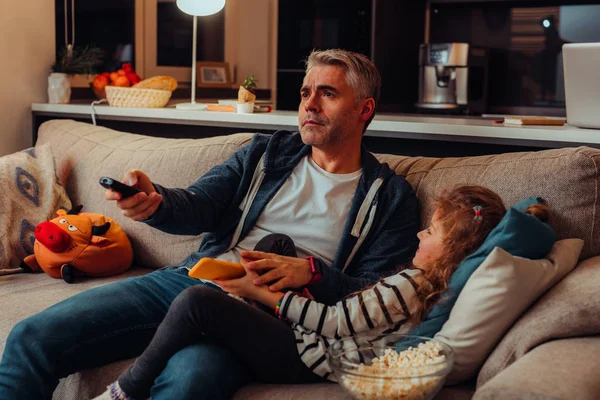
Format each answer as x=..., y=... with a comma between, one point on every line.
x=552, y=351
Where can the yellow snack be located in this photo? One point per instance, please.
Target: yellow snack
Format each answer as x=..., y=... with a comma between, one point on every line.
x=159, y=82
x=220, y=107
x=210, y=268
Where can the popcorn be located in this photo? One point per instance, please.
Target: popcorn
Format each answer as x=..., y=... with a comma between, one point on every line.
x=401, y=375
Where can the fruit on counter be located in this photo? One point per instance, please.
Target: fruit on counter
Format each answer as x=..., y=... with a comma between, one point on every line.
x=123, y=77
x=122, y=81
x=130, y=74
x=101, y=81
x=132, y=77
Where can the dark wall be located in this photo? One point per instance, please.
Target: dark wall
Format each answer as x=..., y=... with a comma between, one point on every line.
x=399, y=30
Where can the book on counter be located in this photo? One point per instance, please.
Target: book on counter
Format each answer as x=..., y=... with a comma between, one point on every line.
x=533, y=121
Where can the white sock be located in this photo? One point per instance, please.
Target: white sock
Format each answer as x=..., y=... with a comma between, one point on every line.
x=113, y=392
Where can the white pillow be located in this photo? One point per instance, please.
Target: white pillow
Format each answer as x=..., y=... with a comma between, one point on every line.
x=31, y=193
x=497, y=293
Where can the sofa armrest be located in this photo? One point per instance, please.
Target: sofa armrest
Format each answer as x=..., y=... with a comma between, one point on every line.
x=561, y=369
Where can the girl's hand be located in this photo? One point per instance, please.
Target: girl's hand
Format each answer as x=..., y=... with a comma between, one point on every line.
x=283, y=272
x=244, y=287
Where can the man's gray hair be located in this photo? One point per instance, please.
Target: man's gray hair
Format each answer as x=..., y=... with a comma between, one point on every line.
x=361, y=73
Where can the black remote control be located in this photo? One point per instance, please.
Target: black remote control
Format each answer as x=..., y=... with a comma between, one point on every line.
x=125, y=190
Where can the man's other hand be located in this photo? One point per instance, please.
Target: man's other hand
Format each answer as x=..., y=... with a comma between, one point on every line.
x=141, y=205
x=284, y=272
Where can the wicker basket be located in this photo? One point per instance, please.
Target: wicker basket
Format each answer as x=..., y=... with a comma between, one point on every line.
x=134, y=97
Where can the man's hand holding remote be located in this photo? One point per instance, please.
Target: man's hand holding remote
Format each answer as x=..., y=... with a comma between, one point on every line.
x=142, y=205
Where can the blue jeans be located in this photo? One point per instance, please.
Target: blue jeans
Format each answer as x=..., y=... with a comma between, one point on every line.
x=110, y=323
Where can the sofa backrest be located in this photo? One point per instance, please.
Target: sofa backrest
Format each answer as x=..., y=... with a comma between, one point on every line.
x=567, y=178
x=84, y=153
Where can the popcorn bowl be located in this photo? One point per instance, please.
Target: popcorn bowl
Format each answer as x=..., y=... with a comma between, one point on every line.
x=397, y=367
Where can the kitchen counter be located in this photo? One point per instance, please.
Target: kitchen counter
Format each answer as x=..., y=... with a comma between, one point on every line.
x=391, y=126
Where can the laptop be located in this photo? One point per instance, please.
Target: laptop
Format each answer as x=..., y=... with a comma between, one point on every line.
x=582, y=84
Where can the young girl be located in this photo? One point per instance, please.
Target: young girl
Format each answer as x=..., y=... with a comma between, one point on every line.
x=289, y=346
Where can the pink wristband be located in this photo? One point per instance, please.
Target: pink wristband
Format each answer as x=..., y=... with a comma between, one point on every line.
x=317, y=276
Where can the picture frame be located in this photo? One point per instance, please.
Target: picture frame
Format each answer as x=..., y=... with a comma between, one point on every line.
x=213, y=74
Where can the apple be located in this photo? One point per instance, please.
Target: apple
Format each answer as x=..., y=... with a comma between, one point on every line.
x=100, y=82
x=133, y=77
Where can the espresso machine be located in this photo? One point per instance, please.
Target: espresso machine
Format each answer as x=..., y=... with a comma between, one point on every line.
x=452, y=78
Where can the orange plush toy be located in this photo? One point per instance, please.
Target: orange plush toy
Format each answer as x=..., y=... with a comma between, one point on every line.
x=79, y=244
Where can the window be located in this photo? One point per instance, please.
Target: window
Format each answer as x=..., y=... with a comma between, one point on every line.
x=167, y=39
x=107, y=24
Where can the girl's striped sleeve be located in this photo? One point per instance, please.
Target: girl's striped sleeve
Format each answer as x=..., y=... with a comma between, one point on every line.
x=391, y=300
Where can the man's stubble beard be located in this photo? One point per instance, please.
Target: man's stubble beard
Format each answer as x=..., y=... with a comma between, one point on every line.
x=315, y=137
x=325, y=136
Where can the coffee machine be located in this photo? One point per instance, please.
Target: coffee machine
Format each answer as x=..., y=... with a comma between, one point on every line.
x=452, y=78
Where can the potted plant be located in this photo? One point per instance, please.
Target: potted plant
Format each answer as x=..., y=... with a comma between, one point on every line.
x=69, y=62
x=247, y=95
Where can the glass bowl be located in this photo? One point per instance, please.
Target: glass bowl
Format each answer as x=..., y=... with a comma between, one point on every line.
x=396, y=367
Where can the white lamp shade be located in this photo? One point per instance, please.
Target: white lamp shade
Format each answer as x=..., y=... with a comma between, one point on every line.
x=200, y=7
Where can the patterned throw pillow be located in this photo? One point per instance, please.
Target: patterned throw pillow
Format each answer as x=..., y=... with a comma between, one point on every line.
x=31, y=193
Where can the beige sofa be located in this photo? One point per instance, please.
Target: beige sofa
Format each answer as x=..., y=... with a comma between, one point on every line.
x=551, y=352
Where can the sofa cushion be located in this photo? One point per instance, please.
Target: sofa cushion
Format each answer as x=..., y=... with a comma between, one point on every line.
x=518, y=233
x=329, y=391
x=31, y=193
x=494, y=297
x=570, y=309
x=23, y=295
x=566, y=178
x=90, y=383
x=86, y=152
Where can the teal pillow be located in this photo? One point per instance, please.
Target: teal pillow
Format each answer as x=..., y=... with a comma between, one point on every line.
x=520, y=234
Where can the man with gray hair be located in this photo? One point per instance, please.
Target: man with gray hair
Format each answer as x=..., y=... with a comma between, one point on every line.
x=351, y=219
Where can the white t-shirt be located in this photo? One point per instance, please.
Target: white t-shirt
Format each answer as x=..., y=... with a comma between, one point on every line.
x=311, y=207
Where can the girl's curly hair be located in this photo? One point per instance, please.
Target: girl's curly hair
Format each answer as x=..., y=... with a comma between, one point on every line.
x=462, y=235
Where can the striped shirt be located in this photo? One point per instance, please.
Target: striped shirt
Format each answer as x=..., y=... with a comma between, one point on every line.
x=372, y=314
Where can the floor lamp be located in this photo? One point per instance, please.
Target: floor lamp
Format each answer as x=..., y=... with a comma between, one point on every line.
x=197, y=8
